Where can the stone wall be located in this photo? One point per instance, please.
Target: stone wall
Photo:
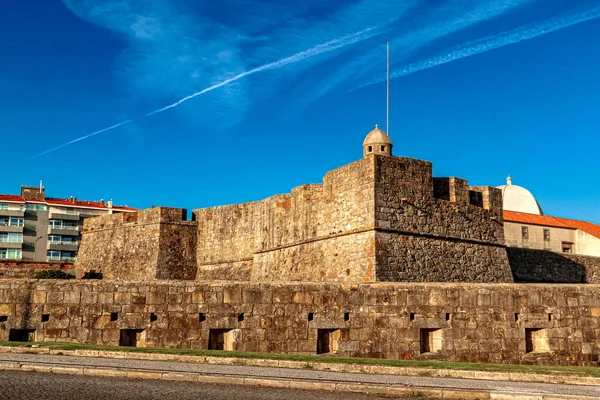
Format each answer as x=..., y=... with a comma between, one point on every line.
x=379, y=218
x=17, y=269
x=316, y=232
x=545, y=266
x=156, y=243
x=498, y=323
x=429, y=230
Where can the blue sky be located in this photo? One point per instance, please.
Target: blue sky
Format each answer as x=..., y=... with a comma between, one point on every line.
x=283, y=92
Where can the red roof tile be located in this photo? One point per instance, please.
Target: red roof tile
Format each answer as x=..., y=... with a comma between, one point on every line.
x=10, y=197
x=63, y=202
x=547, y=220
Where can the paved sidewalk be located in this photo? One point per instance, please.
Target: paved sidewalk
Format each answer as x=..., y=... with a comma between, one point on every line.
x=298, y=378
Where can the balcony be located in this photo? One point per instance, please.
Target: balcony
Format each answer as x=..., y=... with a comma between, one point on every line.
x=73, y=246
x=11, y=228
x=65, y=231
x=74, y=216
x=67, y=260
x=12, y=213
x=11, y=245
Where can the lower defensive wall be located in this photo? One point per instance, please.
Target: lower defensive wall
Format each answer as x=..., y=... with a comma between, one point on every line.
x=499, y=323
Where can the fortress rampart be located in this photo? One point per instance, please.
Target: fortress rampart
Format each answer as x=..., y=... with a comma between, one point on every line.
x=380, y=218
x=501, y=323
x=153, y=244
x=380, y=260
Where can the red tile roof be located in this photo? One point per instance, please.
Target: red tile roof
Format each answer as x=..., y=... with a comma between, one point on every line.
x=546, y=220
x=63, y=202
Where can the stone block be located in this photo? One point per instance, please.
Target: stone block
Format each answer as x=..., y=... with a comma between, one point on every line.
x=39, y=296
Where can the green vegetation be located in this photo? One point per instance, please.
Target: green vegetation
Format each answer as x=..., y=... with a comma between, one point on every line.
x=53, y=274
x=506, y=368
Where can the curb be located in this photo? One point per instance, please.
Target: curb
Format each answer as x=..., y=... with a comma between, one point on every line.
x=342, y=387
x=319, y=366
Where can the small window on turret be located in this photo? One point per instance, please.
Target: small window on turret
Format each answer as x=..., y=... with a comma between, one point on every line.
x=382, y=148
x=370, y=149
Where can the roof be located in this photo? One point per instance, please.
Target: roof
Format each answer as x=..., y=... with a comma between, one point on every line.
x=377, y=136
x=63, y=202
x=546, y=220
x=517, y=198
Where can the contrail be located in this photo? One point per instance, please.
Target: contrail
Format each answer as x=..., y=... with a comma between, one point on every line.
x=495, y=41
x=319, y=49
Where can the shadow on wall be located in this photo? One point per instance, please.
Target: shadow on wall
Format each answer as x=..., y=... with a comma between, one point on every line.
x=542, y=266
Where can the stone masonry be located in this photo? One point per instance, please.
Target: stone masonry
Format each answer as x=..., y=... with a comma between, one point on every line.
x=380, y=260
x=380, y=218
x=501, y=323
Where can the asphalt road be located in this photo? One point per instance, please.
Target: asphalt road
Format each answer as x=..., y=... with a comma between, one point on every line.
x=507, y=387
x=42, y=386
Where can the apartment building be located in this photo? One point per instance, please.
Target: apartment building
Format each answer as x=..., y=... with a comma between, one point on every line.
x=34, y=227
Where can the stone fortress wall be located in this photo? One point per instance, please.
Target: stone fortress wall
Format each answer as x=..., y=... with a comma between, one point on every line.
x=153, y=244
x=377, y=219
x=500, y=323
x=380, y=260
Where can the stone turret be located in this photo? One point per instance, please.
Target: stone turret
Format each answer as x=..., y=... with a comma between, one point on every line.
x=377, y=142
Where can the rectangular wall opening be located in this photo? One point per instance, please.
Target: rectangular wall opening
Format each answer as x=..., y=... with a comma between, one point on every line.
x=220, y=339
x=431, y=340
x=114, y=316
x=132, y=338
x=21, y=335
x=3, y=318
x=201, y=317
x=328, y=340
x=536, y=340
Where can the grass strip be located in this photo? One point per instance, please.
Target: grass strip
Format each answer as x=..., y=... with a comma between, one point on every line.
x=506, y=368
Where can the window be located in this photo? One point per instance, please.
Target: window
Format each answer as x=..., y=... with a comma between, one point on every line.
x=3, y=206
x=40, y=208
x=13, y=254
x=53, y=238
x=71, y=210
x=15, y=221
x=567, y=247
x=53, y=255
x=30, y=207
x=67, y=240
x=10, y=254
x=370, y=149
x=11, y=237
x=59, y=224
x=547, y=235
x=525, y=232
x=382, y=148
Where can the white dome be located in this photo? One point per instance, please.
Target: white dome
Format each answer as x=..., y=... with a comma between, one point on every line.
x=519, y=199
